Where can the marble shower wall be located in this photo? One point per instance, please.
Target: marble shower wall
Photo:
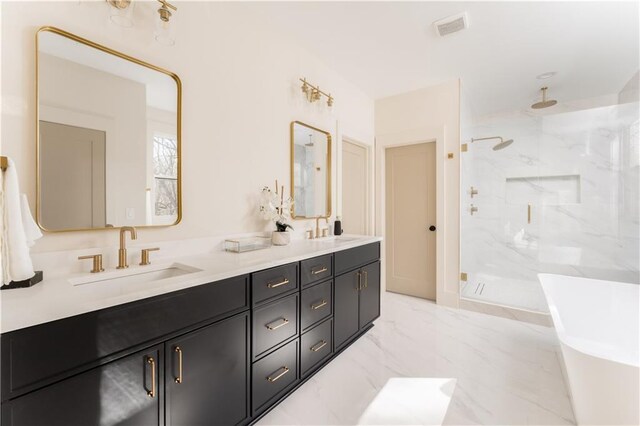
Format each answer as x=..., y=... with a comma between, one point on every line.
x=579, y=171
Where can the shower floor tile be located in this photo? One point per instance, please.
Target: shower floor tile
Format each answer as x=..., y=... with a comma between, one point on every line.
x=521, y=294
x=507, y=372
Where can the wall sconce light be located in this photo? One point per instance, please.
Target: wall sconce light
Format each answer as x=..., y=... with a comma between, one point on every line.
x=165, y=33
x=313, y=93
x=121, y=12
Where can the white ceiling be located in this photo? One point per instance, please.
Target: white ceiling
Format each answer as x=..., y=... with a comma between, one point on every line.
x=388, y=48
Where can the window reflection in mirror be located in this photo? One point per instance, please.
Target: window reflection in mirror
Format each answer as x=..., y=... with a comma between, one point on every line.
x=310, y=171
x=108, y=137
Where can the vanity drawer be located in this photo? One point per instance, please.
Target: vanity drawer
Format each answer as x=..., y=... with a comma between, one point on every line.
x=274, y=374
x=274, y=282
x=315, y=346
x=43, y=354
x=316, y=269
x=274, y=323
x=347, y=260
x=316, y=304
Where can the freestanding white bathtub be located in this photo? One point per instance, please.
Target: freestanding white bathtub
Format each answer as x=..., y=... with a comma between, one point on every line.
x=597, y=324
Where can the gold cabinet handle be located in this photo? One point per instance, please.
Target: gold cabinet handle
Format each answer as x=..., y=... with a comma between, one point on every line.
x=284, y=281
x=178, y=350
x=321, y=344
x=285, y=370
x=319, y=305
x=529, y=213
x=152, y=363
x=319, y=271
x=359, y=286
x=366, y=279
x=284, y=322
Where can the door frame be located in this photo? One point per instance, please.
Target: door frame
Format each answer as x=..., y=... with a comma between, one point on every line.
x=369, y=196
x=413, y=137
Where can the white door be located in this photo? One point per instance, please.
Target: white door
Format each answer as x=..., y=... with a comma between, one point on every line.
x=72, y=177
x=410, y=175
x=354, y=188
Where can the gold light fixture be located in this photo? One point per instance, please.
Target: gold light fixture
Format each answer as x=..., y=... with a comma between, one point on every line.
x=121, y=12
x=313, y=93
x=165, y=33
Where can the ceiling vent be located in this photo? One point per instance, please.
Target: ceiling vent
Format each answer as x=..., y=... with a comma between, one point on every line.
x=452, y=24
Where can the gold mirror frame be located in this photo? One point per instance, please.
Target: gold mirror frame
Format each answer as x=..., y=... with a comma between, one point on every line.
x=127, y=58
x=292, y=153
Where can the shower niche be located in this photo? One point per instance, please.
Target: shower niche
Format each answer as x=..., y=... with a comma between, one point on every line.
x=543, y=190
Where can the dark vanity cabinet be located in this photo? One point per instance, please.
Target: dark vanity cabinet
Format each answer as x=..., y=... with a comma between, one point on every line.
x=206, y=375
x=357, y=290
x=124, y=392
x=222, y=353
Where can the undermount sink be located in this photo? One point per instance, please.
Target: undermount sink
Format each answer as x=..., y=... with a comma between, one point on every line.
x=336, y=238
x=137, y=275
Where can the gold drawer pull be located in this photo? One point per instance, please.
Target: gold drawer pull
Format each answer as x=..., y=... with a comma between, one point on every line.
x=366, y=279
x=285, y=370
x=152, y=363
x=319, y=271
x=319, y=305
x=284, y=281
x=321, y=344
x=178, y=350
x=284, y=322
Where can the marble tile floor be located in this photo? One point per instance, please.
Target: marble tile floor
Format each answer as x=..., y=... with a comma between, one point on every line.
x=508, y=372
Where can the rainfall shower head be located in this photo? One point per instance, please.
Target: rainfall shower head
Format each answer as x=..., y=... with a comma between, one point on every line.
x=310, y=143
x=501, y=145
x=544, y=103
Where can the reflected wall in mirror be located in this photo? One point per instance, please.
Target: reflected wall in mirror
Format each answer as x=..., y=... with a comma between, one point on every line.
x=108, y=141
x=310, y=171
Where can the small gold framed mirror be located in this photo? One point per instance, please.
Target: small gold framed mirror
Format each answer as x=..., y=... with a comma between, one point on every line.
x=310, y=171
x=108, y=137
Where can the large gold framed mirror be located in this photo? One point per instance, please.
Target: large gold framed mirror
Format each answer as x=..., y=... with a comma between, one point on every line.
x=310, y=171
x=108, y=137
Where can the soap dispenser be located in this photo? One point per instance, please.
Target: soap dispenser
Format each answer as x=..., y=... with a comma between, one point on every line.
x=337, y=226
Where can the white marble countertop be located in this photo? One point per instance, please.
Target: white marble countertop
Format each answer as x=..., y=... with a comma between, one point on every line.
x=59, y=298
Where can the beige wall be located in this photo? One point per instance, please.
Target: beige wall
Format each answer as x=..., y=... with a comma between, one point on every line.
x=241, y=91
x=420, y=116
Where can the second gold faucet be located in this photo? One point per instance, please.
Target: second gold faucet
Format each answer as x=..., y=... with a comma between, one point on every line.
x=122, y=252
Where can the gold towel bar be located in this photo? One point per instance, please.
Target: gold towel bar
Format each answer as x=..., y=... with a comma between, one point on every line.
x=4, y=163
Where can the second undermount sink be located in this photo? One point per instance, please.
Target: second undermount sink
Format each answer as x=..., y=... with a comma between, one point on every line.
x=336, y=238
x=137, y=275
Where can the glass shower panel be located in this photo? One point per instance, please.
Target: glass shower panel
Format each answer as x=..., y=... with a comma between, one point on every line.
x=500, y=240
x=562, y=198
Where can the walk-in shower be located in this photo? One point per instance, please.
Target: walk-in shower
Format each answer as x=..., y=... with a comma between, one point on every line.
x=563, y=200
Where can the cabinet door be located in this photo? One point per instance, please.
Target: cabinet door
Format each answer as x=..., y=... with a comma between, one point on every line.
x=207, y=375
x=370, y=294
x=345, y=308
x=124, y=392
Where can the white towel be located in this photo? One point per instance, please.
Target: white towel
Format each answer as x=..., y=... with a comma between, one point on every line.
x=16, y=262
x=31, y=230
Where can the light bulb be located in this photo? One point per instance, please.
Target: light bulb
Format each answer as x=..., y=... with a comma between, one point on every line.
x=165, y=32
x=121, y=12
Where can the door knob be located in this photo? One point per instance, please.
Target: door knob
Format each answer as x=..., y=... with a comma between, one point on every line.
x=432, y=228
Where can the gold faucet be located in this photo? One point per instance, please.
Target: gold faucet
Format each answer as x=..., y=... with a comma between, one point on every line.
x=326, y=219
x=122, y=252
